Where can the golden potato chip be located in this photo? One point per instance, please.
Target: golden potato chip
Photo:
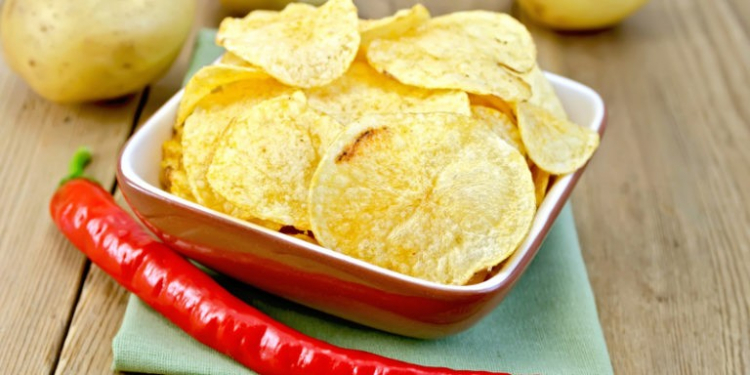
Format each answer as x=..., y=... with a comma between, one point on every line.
x=500, y=124
x=543, y=94
x=541, y=183
x=555, y=145
x=477, y=51
x=258, y=18
x=203, y=127
x=264, y=161
x=479, y=276
x=362, y=90
x=391, y=27
x=208, y=79
x=173, y=176
x=436, y=196
x=298, y=46
x=494, y=102
x=229, y=58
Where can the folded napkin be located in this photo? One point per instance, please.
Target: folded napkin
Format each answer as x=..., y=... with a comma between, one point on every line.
x=547, y=324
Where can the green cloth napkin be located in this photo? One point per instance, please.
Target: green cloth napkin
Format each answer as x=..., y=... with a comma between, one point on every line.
x=547, y=324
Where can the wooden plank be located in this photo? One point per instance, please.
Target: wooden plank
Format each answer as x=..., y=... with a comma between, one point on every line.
x=40, y=272
x=663, y=211
x=98, y=315
x=87, y=348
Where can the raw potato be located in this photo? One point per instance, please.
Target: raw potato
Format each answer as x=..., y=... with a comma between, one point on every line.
x=580, y=14
x=73, y=51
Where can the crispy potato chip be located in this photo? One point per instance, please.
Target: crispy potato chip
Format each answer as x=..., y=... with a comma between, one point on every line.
x=541, y=183
x=173, y=176
x=264, y=161
x=479, y=276
x=204, y=126
x=543, y=94
x=299, y=46
x=477, y=51
x=555, y=145
x=421, y=145
x=208, y=79
x=229, y=58
x=391, y=27
x=500, y=124
x=362, y=90
x=259, y=18
x=494, y=102
x=436, y=196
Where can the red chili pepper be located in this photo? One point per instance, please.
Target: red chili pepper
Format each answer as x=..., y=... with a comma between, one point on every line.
x=114, y=241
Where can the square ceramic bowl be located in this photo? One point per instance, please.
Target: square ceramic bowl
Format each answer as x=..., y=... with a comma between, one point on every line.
x=321, y=278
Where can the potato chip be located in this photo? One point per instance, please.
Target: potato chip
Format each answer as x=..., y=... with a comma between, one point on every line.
x=259, y=18
x=173, y=176
x=391, y=27
x=436, y=196
x=555, y=145
x=500, y=124
x=229, y=58
x=541, y=183
x=208, y=79
x=264, y=161
x=298, y=46
x=479, y=276
x=362, y=90
x=543, y=94
x=203, y=127
x=494, y=102
x=479, y=52
x=428, y=153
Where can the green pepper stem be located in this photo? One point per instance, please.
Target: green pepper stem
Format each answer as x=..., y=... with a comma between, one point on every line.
x=77, y=165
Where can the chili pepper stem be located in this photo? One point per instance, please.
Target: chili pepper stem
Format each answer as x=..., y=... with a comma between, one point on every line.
x=81, y=158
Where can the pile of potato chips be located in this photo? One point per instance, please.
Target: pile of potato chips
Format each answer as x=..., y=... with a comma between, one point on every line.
x=422, y=145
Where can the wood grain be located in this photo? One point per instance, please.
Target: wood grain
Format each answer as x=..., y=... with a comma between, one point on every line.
x=663, y=211
x=87, y=348
x=40, y=273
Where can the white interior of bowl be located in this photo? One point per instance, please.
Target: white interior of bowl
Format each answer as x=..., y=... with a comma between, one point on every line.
x=139, y=163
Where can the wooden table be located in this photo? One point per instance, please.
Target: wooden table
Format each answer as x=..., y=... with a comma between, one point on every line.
x=663, y=211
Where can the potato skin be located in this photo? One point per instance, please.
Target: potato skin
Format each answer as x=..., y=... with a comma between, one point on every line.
x=87, y=50
x=579, y=15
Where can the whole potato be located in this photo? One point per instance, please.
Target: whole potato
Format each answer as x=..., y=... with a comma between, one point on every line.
x=579, y=14
x=84, y=50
